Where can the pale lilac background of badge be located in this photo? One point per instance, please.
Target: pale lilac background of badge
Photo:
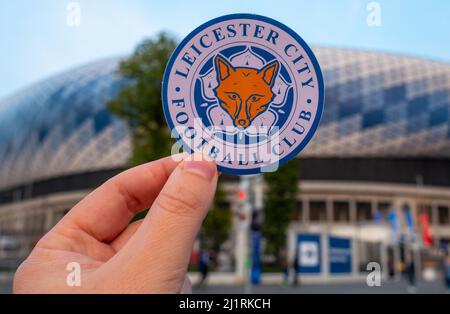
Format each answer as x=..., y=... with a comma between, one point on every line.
x=284, y=38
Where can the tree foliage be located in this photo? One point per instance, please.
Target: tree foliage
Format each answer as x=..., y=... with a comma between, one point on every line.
x=139, y=102
x=279, y=204
x=218, y=222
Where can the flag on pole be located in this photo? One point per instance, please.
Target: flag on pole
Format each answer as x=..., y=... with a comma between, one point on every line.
x=409, y=219
x=425, y=224
x=393, y=220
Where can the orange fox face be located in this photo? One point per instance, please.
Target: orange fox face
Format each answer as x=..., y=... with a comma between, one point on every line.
x=244, y=93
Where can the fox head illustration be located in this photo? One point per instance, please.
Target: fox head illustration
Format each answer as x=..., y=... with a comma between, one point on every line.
x=244, y=92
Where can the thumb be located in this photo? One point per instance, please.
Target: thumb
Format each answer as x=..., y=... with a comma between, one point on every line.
x=156, y=257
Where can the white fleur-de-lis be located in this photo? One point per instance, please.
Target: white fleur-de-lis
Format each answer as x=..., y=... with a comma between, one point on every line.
x=247, y=58
x=208, y=83
x=280, y=88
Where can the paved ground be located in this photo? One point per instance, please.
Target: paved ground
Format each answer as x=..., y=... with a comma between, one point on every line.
x=399, y=287
x=5, y=287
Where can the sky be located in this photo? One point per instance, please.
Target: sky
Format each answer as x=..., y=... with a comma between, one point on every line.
x=36, y=40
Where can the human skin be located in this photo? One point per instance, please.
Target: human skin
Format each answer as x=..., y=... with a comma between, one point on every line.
x=147, y=256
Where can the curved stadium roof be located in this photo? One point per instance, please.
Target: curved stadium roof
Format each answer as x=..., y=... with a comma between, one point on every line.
x=376, y=105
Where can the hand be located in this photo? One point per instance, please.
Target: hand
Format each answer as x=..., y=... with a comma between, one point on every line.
x=147, y=256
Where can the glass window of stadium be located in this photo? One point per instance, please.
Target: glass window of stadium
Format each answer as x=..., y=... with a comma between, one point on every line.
x=443, y=215
x=363, y=211
x=341, y=211
x=368, y=252
x=298, y=213
x=317, y=211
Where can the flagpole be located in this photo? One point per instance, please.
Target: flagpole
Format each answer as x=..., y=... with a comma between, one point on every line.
x=419, y=185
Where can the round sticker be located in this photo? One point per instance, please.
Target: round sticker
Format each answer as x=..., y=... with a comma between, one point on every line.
x=244, y=89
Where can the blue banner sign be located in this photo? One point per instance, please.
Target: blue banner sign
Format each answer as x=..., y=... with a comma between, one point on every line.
x=340, y=255
x=308, y=254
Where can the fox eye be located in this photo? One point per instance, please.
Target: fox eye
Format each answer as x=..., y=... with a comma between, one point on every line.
x=232, y=96
x=255, y=98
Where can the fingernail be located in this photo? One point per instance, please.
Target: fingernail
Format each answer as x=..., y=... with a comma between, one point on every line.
x=179, y=157
x=200, y=164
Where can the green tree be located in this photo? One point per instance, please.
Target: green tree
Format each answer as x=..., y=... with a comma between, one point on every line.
x=217, y=224
x=139, y=102
x=279, y=205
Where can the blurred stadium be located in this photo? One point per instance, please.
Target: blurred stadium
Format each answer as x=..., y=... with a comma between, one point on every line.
x=375, y=180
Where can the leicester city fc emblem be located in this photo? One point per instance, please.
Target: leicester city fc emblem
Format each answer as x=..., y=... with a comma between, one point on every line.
x=244, y=89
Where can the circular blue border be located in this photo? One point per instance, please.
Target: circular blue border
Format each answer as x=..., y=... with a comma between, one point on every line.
x=288, y=30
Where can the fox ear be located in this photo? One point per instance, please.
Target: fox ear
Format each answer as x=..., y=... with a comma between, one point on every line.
x=223, y=67
x=270, y=71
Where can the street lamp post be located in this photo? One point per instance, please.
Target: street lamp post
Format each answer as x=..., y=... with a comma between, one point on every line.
x=247, y=198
